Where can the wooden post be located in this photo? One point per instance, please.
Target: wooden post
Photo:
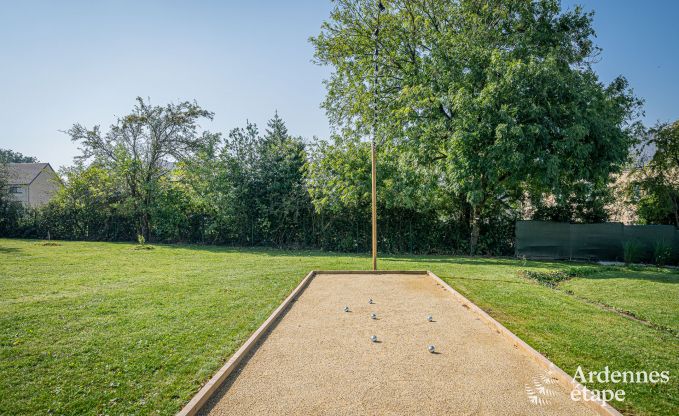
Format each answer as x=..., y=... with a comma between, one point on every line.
x=373, y=156
x=374, y=203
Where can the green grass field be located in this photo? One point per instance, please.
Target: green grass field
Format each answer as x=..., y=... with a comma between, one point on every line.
x=105, y=328
x=645, y=292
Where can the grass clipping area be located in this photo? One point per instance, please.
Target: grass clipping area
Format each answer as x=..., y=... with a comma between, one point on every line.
x=103, y=328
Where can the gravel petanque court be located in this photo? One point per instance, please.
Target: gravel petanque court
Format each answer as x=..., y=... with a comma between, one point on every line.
x=319, y=359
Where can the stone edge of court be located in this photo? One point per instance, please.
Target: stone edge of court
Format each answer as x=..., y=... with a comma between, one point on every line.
x=206, y=392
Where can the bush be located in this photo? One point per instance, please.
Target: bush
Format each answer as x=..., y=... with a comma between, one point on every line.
x=662, y=253
x=631, y=251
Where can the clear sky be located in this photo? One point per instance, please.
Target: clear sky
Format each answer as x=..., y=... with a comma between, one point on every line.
x=63, y=62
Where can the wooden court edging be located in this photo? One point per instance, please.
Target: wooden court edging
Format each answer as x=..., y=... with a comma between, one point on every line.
x=204, y=394
x=423, y=272
x=568, y=382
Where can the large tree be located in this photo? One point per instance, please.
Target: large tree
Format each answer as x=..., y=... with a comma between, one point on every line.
x=284, y=201
x=251, y=186
x=142, y=147
x=658, y=179
x=10, y=156
x=499, y=94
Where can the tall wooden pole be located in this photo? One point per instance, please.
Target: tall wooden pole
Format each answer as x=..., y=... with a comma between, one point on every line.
x=374, y=202
x=373, y=155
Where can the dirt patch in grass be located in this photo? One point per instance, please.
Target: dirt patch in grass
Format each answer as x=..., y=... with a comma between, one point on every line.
x=548, y=278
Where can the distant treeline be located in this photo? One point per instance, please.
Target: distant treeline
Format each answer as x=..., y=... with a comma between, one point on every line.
x=481, y=115
x=154, y=177
x=246, y=189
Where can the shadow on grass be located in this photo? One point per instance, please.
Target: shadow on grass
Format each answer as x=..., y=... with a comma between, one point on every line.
x=269, y=251
x=9, y=250
x=514, y=282
x=667, y=276
x=386, y=259
x=477, y=261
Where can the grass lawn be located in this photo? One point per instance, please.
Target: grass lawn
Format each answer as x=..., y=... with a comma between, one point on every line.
x=647, y=293
x=103, y=328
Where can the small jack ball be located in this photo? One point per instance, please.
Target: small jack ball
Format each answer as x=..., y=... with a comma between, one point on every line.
x=373, y=316
x=431, y=348
x=373, y=338
x=430, y=318
x=370, y=301
x=346, y=309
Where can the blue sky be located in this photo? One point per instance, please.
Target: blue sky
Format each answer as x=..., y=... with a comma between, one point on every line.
x=85, y=61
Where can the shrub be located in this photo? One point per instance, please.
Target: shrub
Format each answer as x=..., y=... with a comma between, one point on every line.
x=661, y=253
x=631, y=251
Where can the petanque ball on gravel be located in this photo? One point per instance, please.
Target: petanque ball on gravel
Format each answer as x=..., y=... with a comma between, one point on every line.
x=431, y=349
x=373, y=316
x=373, y=338
x=370, y=301
x=430, y=318
x=346, y=309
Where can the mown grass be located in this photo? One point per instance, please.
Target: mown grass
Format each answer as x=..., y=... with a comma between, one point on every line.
x=102, y=328
x=647, y=293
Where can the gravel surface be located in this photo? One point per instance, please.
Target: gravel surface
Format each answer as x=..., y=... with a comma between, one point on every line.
x=319, y=359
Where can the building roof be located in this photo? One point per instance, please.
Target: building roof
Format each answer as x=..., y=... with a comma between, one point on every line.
x=24, y=173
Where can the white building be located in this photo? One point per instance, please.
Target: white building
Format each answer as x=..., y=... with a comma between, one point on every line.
x=32, y=184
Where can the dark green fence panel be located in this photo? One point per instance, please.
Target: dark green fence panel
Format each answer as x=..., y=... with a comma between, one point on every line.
x=606, y=241
x=596, y=241
x=647, y=237
x=543, y=239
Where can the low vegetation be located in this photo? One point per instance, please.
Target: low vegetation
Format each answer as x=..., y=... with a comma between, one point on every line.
x=103, y=328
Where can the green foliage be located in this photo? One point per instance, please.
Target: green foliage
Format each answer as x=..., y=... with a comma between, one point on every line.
x=584, y=202
x=498, y=95
x=10, y=156
x=264, y=189
x=283, y=201
x=415, y=213
x=632, y=251
x=252, y=187
x=662, y=253
x=15, y=219
x=140, y=147
x=547, y=278
x=92, y=206
x=656, y=184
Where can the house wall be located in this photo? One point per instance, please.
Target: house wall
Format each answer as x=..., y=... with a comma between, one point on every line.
x=21, y=195
x=43, y=188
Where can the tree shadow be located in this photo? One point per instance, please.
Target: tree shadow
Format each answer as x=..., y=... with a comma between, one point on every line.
x=268, y=251
x=9, y=250
x=513, y=282
x=480, y=261
x=667, y=276
x=390, y=260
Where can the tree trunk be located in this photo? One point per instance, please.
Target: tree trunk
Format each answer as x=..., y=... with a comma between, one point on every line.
x=145, y=229
x=476, y=230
